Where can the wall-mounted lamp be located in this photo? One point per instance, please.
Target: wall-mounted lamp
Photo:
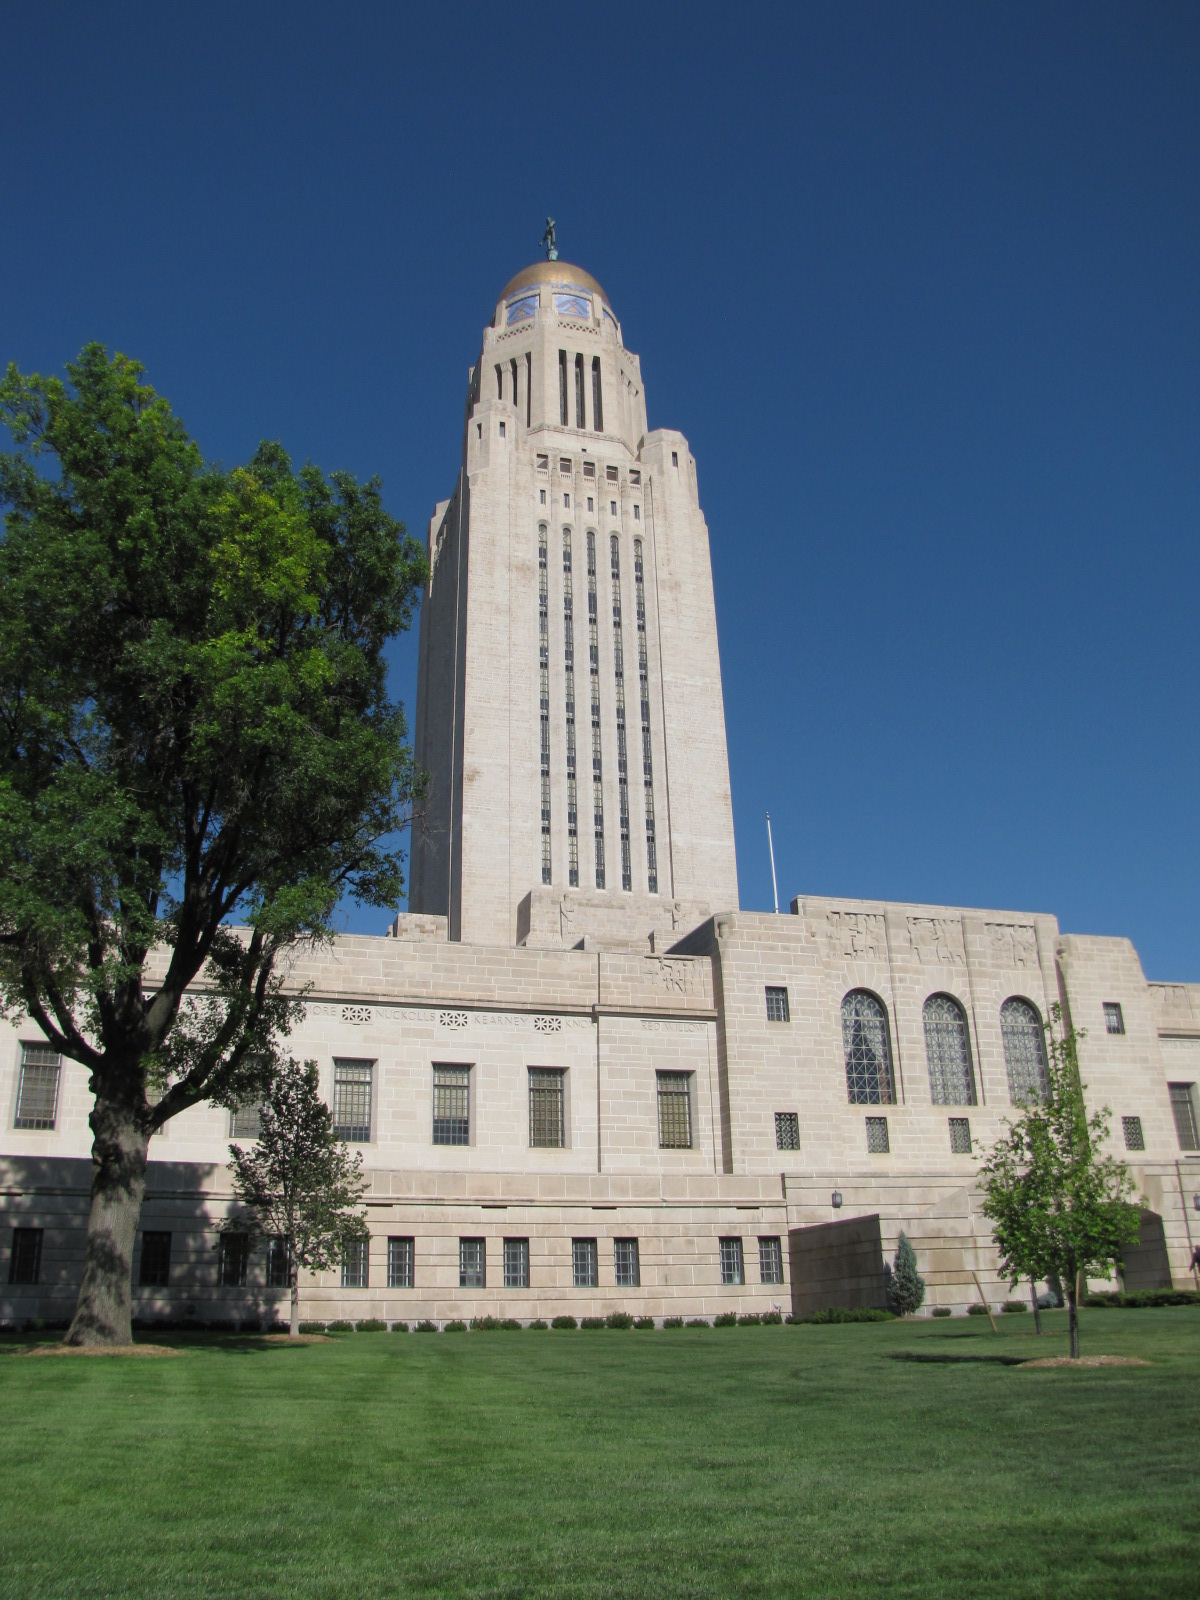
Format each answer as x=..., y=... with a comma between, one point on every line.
x=837, y=1199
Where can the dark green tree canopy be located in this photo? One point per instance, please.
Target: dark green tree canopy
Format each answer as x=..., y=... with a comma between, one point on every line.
x=195, y=728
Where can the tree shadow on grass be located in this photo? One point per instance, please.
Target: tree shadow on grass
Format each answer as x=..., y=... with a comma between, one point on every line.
x=944, y=1359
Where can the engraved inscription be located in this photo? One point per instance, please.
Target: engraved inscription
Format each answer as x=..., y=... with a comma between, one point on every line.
x=652, y=1025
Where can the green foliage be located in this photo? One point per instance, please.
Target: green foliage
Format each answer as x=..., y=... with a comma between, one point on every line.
x=495, y=1325
x=1056, y=1203
x=672, y=1322
x=976, y=1309
x=370, y=1325
x=1013, y=1308
x=643, y=1322
x=539, y=1324
x=618, y=1319
x=399, y=1327
x=1141, y=1299
x=339, y=1326
x=456, y=1325
x=312, y=1327
x=591, y=1322
x=940, y=1311
x=844, y=1314
x=697, y=1322
x=563, y=1322
x=425, y=1326
x=725, y=1319
x=905, y=1285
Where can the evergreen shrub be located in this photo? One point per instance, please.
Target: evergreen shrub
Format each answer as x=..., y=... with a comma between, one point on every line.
x=618, y=1319
x=1013, y=1307
x=846, y=1314
x=977, y=1310
x=771, y=1318
x=905, y=1285
x=727, y=1319
x=591, y=1322
x=456, y=1325
x=399, y=1327
x=672, y=1322
x=643, y=1322
x=312, y=1327
x=370, y=1325
x=540, y=1324
x=563, y=1322
x=749, y=1319
x=697, y=1322
x=941, y=1311
x=425, y=1326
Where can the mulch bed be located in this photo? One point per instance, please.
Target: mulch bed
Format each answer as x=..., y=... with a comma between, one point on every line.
x=101, y=1350
x=1087, y=1361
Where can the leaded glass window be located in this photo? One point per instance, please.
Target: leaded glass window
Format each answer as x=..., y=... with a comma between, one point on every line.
x=878, y=1143
x=278, y=1265
x=355, y=1264
x=868, y=1052
x=1114, y=1017
x=516, y=1263
x=1132, y=1129
x=770, y=1260
x=25, y=1263
x=37, y=1093
x=154, y=1271
x=233, y=1257
x=451, y=1105
x=626, y=1264
x=352, y=1100
x=401, y=1263
x=960, y=1136
x=547, y=1093
x=787, y=1130
x=1183, y=1104
x=472, y=1264
x=948, y=1051
x=674, y=1110
x=585, y=1263
x=246, y=1121
x=777, y=1005
x=733, y=1268
x=1024, y=1051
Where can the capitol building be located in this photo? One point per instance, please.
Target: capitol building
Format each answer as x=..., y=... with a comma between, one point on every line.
x=581, y=1078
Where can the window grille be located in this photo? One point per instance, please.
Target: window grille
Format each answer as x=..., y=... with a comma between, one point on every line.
x=516, y=1263
x=777, y=1005
x=627, y=1266
x=960, y=1136
x=279, y=1274
x=948, y=1051
x=867, y=1050
x=674, y=1110
x=154, y=1271
x=451, y=1105
x=569, y=682
x=585, y=1263
x=1183, y=1104
x=544, y=676
x=877, y=1136
x=1114, y=1017
x=472, y=1264
x=1135, y=1139
x=770, y=1260
x=1024, y=1051
x=401, y=1263
x=37, y=1093
x=733, y=1268
x=246, y=1121
x=355, y=1269
x=639, y=585
x=622, y=751
x=352, y=1100
x=547, y=1123
x=233, y=1259
x=594, y=682
x=25, y=1262
x=610, y=474
x=787, y=1130
x=589, y=468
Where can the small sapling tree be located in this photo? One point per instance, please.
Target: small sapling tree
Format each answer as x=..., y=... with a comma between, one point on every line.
x=905, y=1285
x=1057, y=1205
x=298, y=1183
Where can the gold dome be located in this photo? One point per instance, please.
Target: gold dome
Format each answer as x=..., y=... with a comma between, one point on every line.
x=552, y=272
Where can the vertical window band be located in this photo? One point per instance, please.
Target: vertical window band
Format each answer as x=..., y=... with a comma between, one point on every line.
x=622, y=751
x=544, y=683
x=639, y=584
x=569, y=666
x=594, y=680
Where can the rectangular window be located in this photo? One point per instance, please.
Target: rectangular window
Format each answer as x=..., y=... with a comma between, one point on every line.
x=674, y=458
x=155, y=1269
x=960, y=1136
x=451, y=1105
x=585, y=1262
x=626, y=1264
x=591, y=503
x=1114, y=1017
x=355, y=1269
x=589, y=469
x=543, y=463
x=877, y=1136
x=502, y=430
x=541, y=497
x=567, y=501
x=787, y=1130
x=25, y=1263
x=777, y=1005
x=472, y=1264
x=516, y=1263
x=246, y=1122
x=278, y=1267
x=1183, y=1104
x=612, y=508
x=635, y=475
x=547, y=1123
x=401, y=1263
x=564, y=466
x=733, y=1268
x=770, y=1260
x=611, y=474
x=37, y=1092
x=674, y=1110
x=562, y=387
x=1135, y=1139
x=637, y=513
x=234, y=1254
x=352, y=1100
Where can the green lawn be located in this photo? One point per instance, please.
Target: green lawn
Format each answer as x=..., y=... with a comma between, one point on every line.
x=912, y=1458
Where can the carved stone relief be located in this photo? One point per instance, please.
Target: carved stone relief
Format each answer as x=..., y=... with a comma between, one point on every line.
x=1011, y=944
x=855, y=934
x=1173, y=999
x=678, y=976
x=937, y=941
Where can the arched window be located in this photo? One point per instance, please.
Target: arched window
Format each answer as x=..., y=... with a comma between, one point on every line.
x=868, y=1051
x=948, y=1050
x=1024, y=1051
x=597, y=397
x=580, y=413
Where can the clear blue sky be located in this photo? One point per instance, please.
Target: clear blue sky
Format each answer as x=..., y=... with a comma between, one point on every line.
x=921, y=284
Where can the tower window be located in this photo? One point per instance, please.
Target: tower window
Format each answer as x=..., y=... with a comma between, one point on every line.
x=634, y=475
x=637, y=513
x=674, y=458
x=597, y=397
x=867, y=1050
x=610, y=474
x=499, y=382
x=566, y=502
x=1183, y=1106
x=569, y=665
x=513, y=369
x=639, y=582
x=1114, y=1017
x=547, y=1097
x=541, y=497
x=502, y=430
x=451, y=1105
x=562, y=387
x=591, y=503
x=622, y=749
x=580, y=411
x=1024, y=1051
x=528, y=389
x=948, y=1050
x=777, y=1005
x=594, y=682
x=544, y=685
x=612, y=508
x=589, y=469
x=674, y=1110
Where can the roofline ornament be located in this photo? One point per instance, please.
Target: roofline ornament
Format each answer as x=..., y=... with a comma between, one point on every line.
x=550, y=240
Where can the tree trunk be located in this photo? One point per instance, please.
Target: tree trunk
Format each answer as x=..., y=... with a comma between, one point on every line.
x=102, y=1313
x=294, y=1330
x=1073, y=1320
x=1037, y=1311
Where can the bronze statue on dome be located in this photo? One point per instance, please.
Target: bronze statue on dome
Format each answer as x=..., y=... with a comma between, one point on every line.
x=550, y=241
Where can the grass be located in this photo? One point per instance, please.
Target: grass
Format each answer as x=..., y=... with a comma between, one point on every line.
x=911, y=1457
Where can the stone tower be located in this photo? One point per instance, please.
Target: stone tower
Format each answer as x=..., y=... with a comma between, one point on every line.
x=569, y=706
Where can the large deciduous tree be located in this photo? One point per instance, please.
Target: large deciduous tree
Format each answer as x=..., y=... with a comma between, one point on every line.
x=298, y=1182
x=1056, y=1203
x=195, y=728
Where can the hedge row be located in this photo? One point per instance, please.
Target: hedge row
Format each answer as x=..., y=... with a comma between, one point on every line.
x=1145, y=1297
